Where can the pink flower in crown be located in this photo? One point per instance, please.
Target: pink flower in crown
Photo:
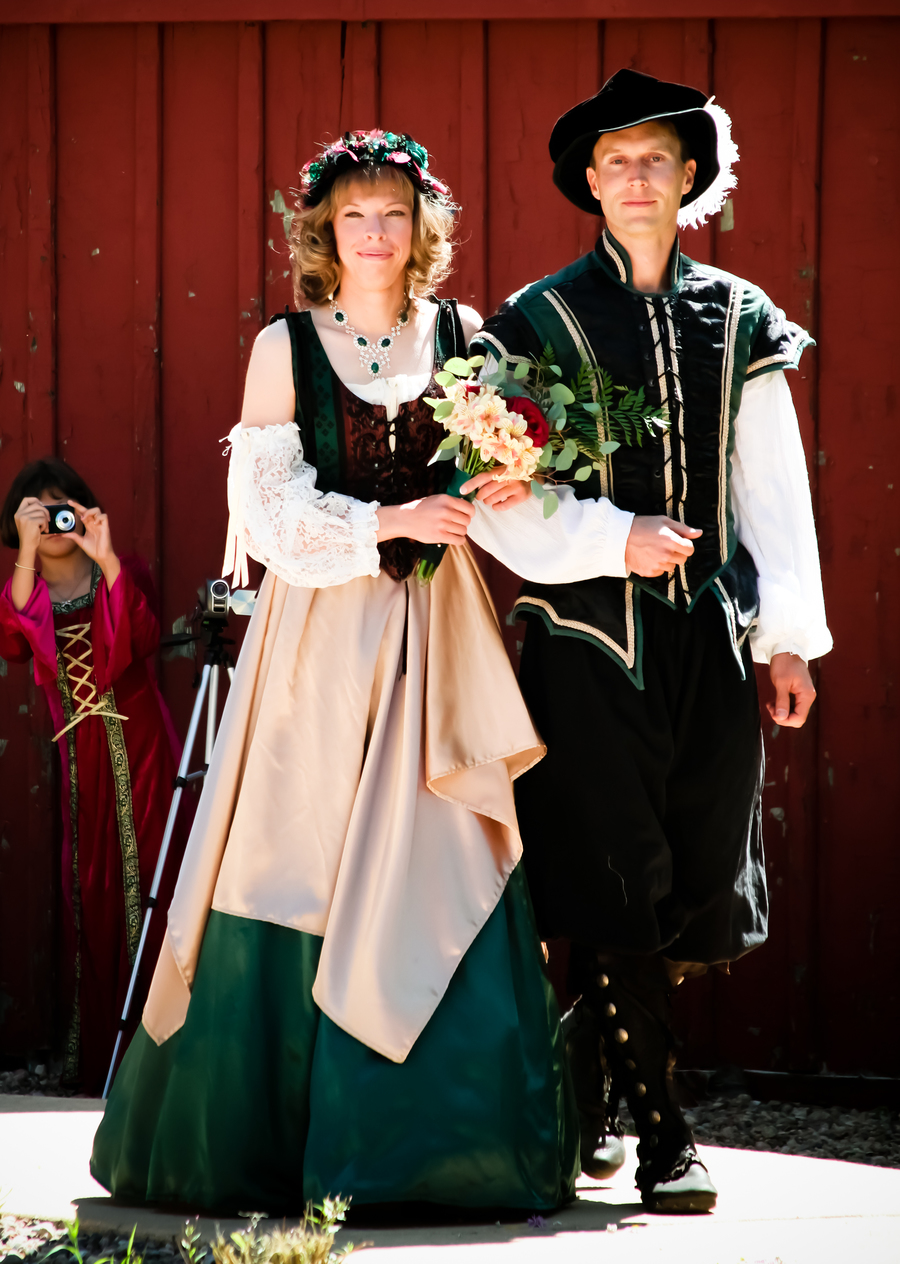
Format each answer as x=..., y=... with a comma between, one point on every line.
x=436, y=185
x=398, y=156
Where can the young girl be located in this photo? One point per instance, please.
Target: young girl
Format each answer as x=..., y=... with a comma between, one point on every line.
x=350, y=996
x=88, y=620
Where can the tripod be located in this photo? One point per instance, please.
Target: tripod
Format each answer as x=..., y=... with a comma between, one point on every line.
x=215, y=657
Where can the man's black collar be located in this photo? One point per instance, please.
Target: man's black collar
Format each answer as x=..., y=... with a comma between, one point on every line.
x=615, y=259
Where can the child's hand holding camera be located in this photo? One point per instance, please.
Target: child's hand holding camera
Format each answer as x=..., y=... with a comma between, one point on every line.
x=31, y=519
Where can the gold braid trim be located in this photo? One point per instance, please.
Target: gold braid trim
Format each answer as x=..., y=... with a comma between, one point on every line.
x=131, y=876
x=71, y=1057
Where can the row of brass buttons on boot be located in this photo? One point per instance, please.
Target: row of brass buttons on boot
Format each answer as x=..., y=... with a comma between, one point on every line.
x=640, y=1089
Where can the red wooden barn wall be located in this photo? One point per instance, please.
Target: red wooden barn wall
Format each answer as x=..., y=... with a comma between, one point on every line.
x=140, y=252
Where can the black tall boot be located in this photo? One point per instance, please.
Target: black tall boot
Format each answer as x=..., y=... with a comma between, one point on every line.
x=630, y=999
x=602, y=1147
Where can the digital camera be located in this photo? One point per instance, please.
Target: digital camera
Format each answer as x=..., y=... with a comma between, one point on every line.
x=62, y=519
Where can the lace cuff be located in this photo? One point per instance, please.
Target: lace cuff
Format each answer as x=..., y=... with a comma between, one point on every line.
x=308, y=538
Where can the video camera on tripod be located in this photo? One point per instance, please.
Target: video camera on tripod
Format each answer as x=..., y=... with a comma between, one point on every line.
x=206, y=627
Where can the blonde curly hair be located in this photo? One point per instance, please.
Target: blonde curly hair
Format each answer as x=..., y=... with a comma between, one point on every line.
x=314, y=262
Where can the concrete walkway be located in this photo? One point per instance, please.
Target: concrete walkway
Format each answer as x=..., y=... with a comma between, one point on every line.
x=772, y=1208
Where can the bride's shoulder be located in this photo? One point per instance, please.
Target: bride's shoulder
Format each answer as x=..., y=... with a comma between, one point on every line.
x=272, y=338
x=269, y=387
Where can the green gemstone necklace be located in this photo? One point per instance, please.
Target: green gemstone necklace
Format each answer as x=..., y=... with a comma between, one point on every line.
x=374, y=354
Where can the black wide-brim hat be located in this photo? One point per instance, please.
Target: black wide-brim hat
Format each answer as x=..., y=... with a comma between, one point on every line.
x=627, y=99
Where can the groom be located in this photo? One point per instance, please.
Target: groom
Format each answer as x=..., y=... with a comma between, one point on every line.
x=649, y=594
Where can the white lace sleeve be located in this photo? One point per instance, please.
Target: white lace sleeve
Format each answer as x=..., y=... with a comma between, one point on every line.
x=308, y=538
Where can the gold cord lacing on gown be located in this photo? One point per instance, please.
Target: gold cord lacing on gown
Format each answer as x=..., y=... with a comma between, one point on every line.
x=75, y=647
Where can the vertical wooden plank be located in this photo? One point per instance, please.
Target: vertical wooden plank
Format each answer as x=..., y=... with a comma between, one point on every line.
x=15, y=220
x=29, y=806
x=40, y=380
x=532, y=230
x=147, y=421
x=859, y=486
x=96, y=100
x=200, y=313
x=302, y=107
x=800, y=792
x=249, y=173
x=360, y=80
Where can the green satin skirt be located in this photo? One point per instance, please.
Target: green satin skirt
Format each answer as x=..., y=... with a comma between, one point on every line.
x=260, y=1103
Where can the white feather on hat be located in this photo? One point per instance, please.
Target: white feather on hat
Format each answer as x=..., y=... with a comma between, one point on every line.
x=711, y=200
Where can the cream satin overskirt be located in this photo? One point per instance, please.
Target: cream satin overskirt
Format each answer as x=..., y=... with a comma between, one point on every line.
x=360, y=790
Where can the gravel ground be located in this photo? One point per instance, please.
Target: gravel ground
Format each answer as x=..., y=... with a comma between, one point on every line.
x=823, y=1132
x=36, y=1080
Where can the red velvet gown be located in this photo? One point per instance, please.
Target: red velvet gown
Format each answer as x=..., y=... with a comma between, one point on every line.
x=119, y=756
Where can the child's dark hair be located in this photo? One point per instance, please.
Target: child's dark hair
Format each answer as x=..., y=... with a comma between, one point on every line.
x=36, y=477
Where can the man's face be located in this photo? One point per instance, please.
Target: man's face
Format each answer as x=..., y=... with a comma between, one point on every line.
x=639, y=177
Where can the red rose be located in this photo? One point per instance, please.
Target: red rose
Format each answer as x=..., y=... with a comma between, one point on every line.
x=538, y=430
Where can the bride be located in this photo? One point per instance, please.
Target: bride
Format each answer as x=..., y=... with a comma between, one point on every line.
x=350, y=996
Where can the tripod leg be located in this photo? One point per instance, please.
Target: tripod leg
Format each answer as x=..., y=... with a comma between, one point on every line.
x=211, y=713
x=180, y=783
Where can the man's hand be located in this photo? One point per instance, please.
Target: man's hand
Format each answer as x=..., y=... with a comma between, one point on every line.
x=657, y=545
x=496, y=494
x=790, y=676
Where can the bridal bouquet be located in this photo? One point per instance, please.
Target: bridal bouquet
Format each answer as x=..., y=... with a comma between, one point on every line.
x=487, y=431
x=525, y=423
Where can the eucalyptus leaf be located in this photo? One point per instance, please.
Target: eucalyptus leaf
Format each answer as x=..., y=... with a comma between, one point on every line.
x=522, y=370
x=537, y=489
x=457, y=365
x=503, y=367
x=475, y=362
x=452, y=441
x=609, y=447
x=556, y=413
x=560, y=394
x=583, y=472
x=444, y=409
x=445, y=454
x=546, y=457
x=593, y=409
x=445, y=379
x=551, y=504
x=554, y=368
x=510, y=389
x=564, y=460
x=432, y=403
x=560, y=425
x=495, y=379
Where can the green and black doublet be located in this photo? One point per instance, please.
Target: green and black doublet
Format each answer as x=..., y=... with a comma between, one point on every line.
x=691, y=349
x=642, y=826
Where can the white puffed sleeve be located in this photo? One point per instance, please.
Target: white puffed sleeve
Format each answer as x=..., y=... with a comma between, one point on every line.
x=774, y=521
x=583, y=539
x=308, y=538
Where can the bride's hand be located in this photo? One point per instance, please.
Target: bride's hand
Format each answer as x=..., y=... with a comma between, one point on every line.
x=497, y=495
x=431, y=520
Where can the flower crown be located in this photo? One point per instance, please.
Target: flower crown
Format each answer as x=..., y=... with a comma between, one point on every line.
x=368, y=148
